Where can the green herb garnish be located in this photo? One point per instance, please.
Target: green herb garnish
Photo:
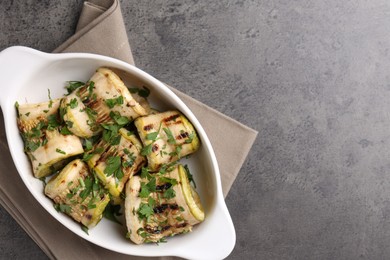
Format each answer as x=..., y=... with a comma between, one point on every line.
x=111, y=102
x=72, y=85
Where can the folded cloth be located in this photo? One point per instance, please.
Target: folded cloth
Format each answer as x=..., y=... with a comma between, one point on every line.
x=101, y=30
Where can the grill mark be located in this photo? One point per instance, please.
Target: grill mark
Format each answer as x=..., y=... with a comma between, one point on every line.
x=182, y=225
x=155, y=147
x=163, y=187
x=173, y=206
x=148, y=127
x=171, y=118
x=177, y=122
x=161, y=208
x=156, y=230
x=182, y=135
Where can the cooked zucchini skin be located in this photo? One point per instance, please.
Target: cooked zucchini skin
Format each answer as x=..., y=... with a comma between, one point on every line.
x=176, y=137
x=129, y=151
x=69, y=189
x=171, y=216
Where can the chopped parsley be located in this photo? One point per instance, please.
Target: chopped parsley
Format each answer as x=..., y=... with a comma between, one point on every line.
x=51, y=101
x=147, y=188
x=85, y=229
x=65, y=131
x=145, y=211
x=171, y=138
x=147, y=149
x=120, y=120
x=73, y=85
x=113, y=167
x=152, y=136
x=169, y=193
x=131, y=160
x=189, y=175
x=111, y=102
x=73, y=103
x=112, y=212
x=190, y=138
x=144, y=92
x=60, y=151
x=63, y=208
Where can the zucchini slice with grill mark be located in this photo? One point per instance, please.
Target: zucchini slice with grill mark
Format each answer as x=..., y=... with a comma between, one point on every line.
x=55, y=153
x=78, y=120
x=30, y=115
x=115, y=164
x=176, y=137
x=46, y=147
x=153, y=217
x=77, y=193
x=105, y=93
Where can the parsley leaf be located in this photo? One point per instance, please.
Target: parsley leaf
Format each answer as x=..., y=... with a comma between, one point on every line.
x=168, y=180
x=73, y=103
x=111, y=102
x=131, y=157
x=152, y=136
x=169, y=193
x=146, y=189
x=65, y=131
x=85, y=229
x=120, y=120
x=145, y=211
x=72, y=85
x=110, y=133
x=63, y=208
x=114, y=167
x=60, y=151
x=190, y=138
x=147, y=149
x=111, y=212
x=171, y=138
x=88, y=144
x=144, y=92
x=189, y=175
x=53, y=122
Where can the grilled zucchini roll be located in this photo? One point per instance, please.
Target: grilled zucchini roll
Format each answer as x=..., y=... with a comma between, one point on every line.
x=54, y=153
x=77, y=193
x=116, y=160
x=46, y=147
x=30, y=115
x=161, y=205
x=166, y=137
x=105, y=93
x=78, y=118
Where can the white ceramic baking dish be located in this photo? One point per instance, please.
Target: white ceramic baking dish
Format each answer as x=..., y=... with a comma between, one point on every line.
x=26, y=75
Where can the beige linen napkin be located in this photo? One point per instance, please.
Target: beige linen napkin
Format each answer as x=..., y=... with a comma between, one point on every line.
x=101, y=30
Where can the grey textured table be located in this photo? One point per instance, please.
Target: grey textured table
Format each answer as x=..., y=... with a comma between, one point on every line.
x=313, y=77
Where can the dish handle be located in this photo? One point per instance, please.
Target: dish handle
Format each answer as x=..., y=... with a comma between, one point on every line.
x=16, y=64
